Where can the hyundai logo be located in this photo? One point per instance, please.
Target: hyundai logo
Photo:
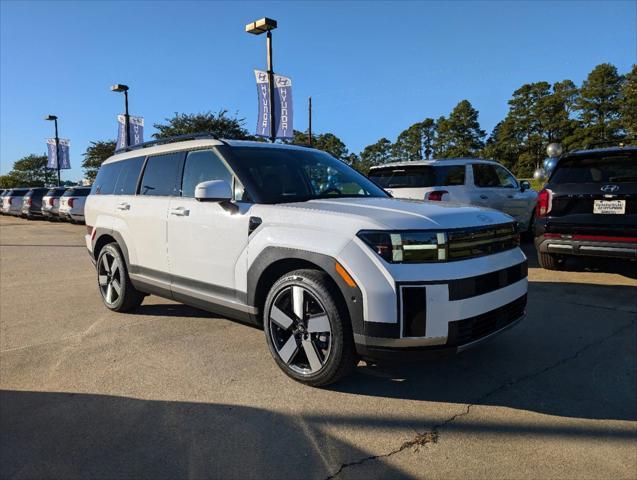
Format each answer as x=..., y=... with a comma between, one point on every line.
x=610, y=188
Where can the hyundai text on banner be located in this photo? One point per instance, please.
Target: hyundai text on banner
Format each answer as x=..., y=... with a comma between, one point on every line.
x=283, y=106
x=135, y=131
x=263, y=91
x=52, y=154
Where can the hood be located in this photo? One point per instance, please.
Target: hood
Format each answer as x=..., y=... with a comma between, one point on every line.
x=399, y=214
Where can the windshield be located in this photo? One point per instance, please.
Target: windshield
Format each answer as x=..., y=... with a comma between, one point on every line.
x=295, y=175
x=418, y=177
x=598, y=169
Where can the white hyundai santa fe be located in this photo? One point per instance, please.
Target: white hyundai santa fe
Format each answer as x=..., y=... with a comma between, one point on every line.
x=296, y=242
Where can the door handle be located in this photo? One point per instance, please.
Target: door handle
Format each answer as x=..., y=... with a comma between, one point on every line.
x=180, y=212
x=483, y=196
x=123, y=206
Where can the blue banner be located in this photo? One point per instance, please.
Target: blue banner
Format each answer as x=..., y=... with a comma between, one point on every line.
x=263, y=91
x=52, y=154
x=283, y=106
x=135, y=131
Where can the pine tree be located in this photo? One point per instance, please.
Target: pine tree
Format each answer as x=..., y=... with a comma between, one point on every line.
x=629, y=105
x=459, y=135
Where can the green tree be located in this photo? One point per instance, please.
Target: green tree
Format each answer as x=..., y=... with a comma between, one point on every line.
x=95, y=155
x=629, y=104
x=328, y=142
x=599, y=105
x=416, y=142
x=459, y=135
x=29, y=171
x=375, y=154
x=219, y=124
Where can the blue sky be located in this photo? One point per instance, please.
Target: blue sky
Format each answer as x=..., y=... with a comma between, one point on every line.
x=372, y=68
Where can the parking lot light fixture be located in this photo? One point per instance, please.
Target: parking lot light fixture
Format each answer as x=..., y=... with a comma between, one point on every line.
x=54, y=118
x=118, y=87
x=266, y=25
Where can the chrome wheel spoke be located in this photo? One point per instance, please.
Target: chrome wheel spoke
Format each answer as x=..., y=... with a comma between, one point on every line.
x=297, y=301
x=105, y=265
x=318, y=323
x=288, y=351
x=280, y=318
x=312, y=355
x=114, y=266
x=117, y=287
x=102, y=280
x=109, y=293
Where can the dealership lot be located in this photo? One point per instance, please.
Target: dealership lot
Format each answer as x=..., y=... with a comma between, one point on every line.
x=171, y=391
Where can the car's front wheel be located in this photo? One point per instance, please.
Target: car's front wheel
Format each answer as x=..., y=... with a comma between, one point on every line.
x=307, y=328
x=114, y=284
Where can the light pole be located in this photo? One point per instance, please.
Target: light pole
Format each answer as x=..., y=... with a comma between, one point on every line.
x=57, y=143
x=266, y=25
x=118, y=87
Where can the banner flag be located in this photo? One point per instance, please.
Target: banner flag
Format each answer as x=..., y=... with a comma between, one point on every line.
x=135, y=131
x=283, y=106
x=52, y=154
x=263, y=92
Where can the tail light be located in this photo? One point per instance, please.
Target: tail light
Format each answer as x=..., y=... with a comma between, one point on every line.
x=10, y=200
x=51, y=199
x=69, y=202
x=544, y=202
x=436, y=195
x=28, y=202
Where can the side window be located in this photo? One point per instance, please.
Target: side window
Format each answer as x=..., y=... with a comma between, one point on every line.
x=485, y=176
x=451, y=175
x=201, y=166
x=127, y=181
x=506, y=179
x=160, y=175
x=106, y=179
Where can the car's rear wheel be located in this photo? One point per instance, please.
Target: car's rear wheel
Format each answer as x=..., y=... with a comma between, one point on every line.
x=113, y=282
x=307, y=328
x=550, y=261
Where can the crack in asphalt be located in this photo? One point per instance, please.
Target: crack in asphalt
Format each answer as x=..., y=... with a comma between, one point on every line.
x=432, y=435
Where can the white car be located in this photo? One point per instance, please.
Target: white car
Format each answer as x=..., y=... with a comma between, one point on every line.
x=51, y=203
x=298, y=243
x=484, y=183
x=72, y=204
x=12, y=201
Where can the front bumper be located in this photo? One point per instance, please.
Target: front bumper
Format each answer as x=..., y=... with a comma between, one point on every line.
x=567, y=245
x=416, y=310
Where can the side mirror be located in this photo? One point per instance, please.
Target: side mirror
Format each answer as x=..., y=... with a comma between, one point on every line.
x=525, y=185
x=213, y=191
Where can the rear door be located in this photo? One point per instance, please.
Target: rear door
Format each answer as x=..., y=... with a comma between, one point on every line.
x=515, y=202
x=144, y=216
x=595, y=193
x=487, y=192
x=206, y=240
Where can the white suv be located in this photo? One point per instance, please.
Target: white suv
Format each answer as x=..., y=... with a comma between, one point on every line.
x=484, y=183
x=294, y=241
x=72, y=204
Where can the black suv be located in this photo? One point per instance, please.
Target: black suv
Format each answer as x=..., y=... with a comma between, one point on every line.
x=588, y=207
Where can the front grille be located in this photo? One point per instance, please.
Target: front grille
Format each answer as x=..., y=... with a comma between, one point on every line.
x=480, y=241
x=468, y=330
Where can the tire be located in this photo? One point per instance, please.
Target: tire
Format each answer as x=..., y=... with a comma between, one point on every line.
x=112, y=275
x=549, y=261
x=323, y=327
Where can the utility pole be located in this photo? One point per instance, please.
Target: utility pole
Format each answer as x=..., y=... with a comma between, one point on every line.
x=309, y=113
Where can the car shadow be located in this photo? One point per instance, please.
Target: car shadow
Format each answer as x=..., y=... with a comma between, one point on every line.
x=575, y=355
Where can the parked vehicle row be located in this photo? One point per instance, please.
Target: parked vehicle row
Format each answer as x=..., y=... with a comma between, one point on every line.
x=59, y=203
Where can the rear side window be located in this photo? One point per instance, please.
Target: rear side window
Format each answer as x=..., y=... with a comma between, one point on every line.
x=18, y=193
x=485, y=176
x=77, y=192
x=202, y=166
x=160, y=175
x=419, y=177
x=128, y=176
x=107, y=179
x=599, y=169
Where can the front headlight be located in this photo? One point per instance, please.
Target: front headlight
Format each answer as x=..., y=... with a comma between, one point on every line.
x=408, y=246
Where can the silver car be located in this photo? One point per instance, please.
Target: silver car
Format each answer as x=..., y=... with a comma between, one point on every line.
x=51, y=203
x=12, y=201
x=477, y=182
x=72, y=204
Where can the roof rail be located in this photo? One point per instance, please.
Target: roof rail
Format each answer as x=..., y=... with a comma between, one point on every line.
x=617, y=142
x=162, y=141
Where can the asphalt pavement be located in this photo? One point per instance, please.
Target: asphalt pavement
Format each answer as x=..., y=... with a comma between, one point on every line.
x=170, y=391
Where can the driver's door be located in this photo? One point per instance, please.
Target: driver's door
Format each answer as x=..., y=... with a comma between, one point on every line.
x=205, y=240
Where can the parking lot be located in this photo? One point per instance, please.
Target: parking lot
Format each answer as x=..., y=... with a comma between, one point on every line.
x=169, y=391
